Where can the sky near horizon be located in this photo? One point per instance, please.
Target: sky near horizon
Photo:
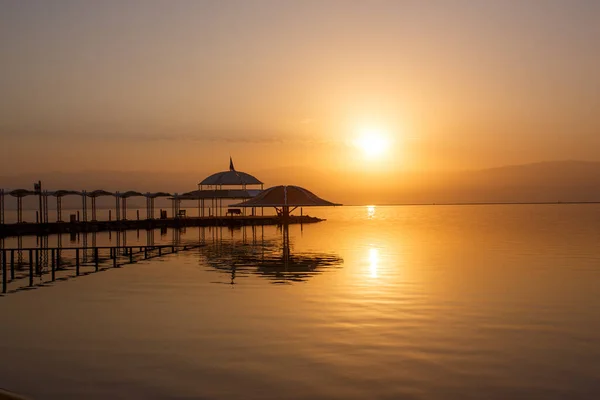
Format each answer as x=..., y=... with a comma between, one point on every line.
x=181, y=85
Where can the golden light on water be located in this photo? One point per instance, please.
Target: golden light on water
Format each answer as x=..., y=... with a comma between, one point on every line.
x=370, y=212
x=373, y=262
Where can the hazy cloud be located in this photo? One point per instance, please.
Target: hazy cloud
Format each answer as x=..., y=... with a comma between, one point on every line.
x=231, y=137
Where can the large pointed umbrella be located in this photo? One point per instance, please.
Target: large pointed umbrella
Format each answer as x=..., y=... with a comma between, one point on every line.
x=285, y=197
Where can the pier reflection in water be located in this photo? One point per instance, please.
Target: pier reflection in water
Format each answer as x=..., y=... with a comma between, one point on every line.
x=31, y=262
x=271, y=258
x=237, y=251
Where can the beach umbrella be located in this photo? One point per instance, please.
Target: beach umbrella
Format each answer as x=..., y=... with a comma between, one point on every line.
x=285, y=199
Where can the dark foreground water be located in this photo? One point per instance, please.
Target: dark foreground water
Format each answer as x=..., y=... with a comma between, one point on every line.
x=464, y=302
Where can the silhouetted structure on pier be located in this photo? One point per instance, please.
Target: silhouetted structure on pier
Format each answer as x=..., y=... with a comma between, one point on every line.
x=120, y=203
x=225, y=185
x=286, y=199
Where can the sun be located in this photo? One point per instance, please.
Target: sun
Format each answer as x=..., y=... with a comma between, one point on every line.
x=372, y=142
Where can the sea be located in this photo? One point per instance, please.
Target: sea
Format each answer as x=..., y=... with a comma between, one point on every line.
x=376, y=302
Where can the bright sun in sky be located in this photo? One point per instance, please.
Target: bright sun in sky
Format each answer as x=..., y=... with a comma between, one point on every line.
x=372, y=142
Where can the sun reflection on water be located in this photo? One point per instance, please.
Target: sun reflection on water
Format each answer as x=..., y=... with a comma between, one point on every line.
x=373, y=262
x=370, y=212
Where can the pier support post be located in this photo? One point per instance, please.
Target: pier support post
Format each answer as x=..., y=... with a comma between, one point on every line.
x=58, y=209
x=12, y=264
x=37, y=261
x=38, y=191
x=30, y=267
x=131, y=255
x=19, y=209
x=94, y=219
x=77, y=262
x=45, y=197
x=96, y=258
x=1, y=206
x=4, y=252
x=84, y=205
x=117, y=207
x=124, y=208
x=53, y=265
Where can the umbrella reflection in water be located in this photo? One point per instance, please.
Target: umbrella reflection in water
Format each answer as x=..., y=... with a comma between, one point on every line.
x=270, y=258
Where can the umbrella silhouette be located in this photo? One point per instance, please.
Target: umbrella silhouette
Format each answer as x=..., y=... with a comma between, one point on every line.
x=285, y=199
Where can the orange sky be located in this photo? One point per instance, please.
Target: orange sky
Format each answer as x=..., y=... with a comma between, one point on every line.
x=179, y=86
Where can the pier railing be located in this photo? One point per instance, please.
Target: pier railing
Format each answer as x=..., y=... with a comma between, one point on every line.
x=18, y=265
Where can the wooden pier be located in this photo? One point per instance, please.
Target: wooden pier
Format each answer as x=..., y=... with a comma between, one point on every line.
x=47, y=262
x=25, y=229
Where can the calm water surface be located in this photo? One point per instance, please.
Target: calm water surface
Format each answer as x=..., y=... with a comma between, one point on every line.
x=463, y=302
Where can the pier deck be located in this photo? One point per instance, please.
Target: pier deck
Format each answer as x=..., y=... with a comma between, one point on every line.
x=25, y=229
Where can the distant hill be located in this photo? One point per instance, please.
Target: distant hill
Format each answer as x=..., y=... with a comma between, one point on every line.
x=558, y=181
x=564, y=181
x=555, y=172
x=555, y=181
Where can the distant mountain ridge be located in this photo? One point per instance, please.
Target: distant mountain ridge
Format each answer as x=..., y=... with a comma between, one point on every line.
x=550, y=181
x=567, y=181
x=558, y=170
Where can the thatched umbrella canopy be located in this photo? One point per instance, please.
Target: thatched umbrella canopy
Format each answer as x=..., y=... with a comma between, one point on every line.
x=62, y=193
x=98, y=193
x=131, y=193
x=284, y=197
x=158, y=194
x=22, y=193
x=230, y=178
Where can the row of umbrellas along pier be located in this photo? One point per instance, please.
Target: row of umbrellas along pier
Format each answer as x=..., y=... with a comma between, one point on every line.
x=224, y=185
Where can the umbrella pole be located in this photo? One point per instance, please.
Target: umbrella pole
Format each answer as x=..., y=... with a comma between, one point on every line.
x=286, y=213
